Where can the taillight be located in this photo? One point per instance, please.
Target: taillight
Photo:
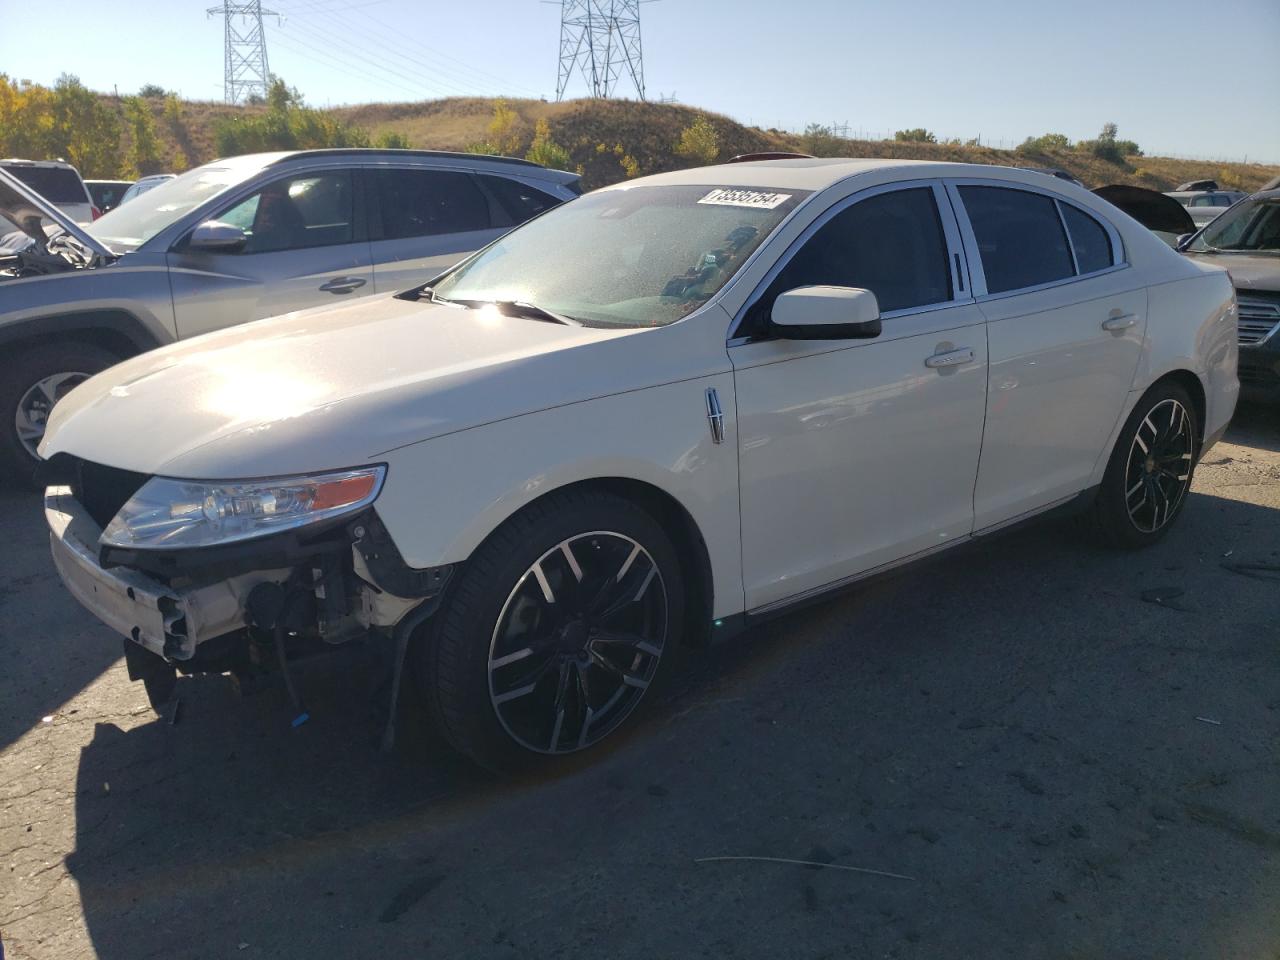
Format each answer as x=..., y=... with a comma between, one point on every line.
x=95, y=212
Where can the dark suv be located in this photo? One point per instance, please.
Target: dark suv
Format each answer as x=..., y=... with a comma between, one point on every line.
x=1246, y=240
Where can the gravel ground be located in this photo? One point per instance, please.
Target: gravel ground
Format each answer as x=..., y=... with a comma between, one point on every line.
x=1059, y=767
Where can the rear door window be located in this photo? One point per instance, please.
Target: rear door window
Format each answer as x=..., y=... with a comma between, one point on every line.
x=429, y=203
x=55, y=184
x=518, y=201
x=1020, y=237
x=1089, y=239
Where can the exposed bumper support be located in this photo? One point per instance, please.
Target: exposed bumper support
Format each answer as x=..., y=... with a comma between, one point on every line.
x=168, y=621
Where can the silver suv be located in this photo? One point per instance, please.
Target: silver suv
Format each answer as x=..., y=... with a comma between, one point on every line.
x=232, y=241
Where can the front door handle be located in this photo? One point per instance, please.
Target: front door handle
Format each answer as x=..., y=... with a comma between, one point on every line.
x=951, y=358
x=342, y=284
x=1122, y=322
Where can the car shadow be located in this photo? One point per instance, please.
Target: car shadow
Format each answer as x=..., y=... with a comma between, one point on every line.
x=1255, y=424
x=50, y=649
x=308, y=841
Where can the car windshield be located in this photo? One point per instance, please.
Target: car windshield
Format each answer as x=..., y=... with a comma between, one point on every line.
x=1252, y=226
x=134, y=223
x=634, y=257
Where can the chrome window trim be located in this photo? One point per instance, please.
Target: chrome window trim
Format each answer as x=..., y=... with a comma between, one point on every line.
x=974, y=257
x=946, y=216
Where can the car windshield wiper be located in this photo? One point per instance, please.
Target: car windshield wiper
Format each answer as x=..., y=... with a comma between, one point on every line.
x=514, y=308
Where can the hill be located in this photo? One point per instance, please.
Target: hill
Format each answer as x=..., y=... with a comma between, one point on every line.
x=606, y=140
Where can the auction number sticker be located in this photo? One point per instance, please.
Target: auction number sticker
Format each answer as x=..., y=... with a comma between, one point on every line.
x=727, y=197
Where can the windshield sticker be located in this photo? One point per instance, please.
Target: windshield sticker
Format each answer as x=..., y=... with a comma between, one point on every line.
x=727, y=197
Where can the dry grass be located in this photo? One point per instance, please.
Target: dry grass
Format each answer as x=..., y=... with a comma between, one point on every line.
x=599, y=133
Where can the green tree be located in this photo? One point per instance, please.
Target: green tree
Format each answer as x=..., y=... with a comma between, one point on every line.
x=915, y=135
x=1109, y=147
x=699, y=142
x=153, y=90
x=143, y=156
x=84, y=131
x=544, y=150
x=390, y=140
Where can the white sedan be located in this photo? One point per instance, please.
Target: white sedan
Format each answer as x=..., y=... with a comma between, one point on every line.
x=660, y=412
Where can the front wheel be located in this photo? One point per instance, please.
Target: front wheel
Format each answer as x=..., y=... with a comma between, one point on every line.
x=31, y=382
x=559, y=625
x=1150, y=471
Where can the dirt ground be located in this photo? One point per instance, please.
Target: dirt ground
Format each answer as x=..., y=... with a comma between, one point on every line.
x=1054, y=766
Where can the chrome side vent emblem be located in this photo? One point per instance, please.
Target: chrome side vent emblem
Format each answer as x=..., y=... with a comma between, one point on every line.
x=715, y=415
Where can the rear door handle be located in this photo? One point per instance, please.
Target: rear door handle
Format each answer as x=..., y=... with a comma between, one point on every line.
x=1122, y=322
x=342, y=284
x=952, y=358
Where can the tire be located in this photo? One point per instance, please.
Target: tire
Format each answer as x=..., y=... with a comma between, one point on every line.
x=539, y=654
x=58, y=364
x=1150, y=471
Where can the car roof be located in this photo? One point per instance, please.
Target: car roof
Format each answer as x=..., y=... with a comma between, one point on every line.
x=479, y=160
x=38, y=163
x=821, y=172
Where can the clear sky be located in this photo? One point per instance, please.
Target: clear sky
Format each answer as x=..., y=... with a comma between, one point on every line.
x=1179, y=76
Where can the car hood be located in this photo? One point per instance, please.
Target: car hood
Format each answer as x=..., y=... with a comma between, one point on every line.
x=1258, y=271
x=26, y=209
x=331, y=387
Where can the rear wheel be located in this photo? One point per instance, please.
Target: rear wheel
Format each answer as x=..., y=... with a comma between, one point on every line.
x=31, y=382
x=559, y=625
x=1150, y=470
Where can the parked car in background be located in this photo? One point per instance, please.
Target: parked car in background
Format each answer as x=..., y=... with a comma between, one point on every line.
x=107, y=194
x=673, y=407
x=145, y=184
x=1204, y=205
x=1246, y=240
x=1158, y=212
x=58, y=182
x=232, y=241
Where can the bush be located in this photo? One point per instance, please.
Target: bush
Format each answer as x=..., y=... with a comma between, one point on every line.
x=915, y=135
x=1108, y=147
x=1044, y=143
x=286, y=125
x=153, y=90
x=820, y=141
x=390, y=140
x=546, y=151
x=699, y=142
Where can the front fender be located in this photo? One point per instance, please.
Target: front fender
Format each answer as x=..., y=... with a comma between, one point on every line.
x=133, y=286
x=444, y=496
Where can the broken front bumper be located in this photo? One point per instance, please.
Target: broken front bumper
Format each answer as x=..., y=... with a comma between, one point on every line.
x=168, y=621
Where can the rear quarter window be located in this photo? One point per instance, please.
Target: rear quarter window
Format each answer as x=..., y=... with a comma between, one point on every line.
x=55, y=184
x=1089, y=239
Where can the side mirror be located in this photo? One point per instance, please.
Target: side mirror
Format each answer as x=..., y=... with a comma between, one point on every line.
x=825, y=313
x=1182, y=241
x=214, y=236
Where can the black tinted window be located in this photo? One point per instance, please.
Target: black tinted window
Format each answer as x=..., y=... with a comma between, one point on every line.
x=1019, y=237
x=1088, y=238
x=428, y=203
x=55, y=184
x=519, y=201
x=891, y=244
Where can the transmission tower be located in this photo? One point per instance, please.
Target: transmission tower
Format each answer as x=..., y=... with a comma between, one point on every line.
x=246, y=72
x=600, y=38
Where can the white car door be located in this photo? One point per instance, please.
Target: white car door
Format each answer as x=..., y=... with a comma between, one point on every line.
x=304, y=249
x=423, y=221
x=1065, y=326
x=855, y=454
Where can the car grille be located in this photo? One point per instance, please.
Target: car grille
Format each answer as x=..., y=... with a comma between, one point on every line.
x=1258, y=318
x=102, y=491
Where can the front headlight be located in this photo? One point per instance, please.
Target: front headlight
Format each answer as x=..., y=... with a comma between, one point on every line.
x=175, y=514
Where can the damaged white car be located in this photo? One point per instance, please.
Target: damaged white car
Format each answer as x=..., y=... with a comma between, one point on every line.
x=663, y=411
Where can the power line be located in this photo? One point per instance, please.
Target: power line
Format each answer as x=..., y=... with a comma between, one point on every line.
x=245, y=70
x=601, y=39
